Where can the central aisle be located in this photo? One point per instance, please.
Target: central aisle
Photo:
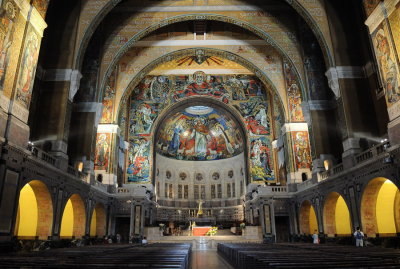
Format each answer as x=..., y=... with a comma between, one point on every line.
x=208, y=259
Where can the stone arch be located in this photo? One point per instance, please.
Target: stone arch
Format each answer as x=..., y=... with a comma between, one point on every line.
x=336, y=215
x=308, y=219
x=35, y=211
x=380, y=208
x=189, y=17
x=303, y=12
x=98, y=221
x=74, y=218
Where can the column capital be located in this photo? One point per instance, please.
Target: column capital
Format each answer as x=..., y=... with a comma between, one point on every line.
x=343, y=72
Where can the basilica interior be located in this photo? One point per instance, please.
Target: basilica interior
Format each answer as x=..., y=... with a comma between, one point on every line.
x=247, y=121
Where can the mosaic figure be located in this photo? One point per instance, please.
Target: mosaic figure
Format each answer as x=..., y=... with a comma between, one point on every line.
x=387, y=66
x=302, y=153
x=108, y=100
x=255, y=113
x=205, y=136
x=7, y=29
x=200, y=86
x=138, y=161
x=293, y=94
x=27, y=69
x=102, y=152
x=142, y=118
x=261, y=162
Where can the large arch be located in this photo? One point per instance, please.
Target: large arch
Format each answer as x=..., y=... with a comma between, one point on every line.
x=109, y=6
x=74, y=218
x=35, y=211
x=336, y=216
x=186, y=52
x=98, y=221
x=380, y=208
x=189, y=17
x=308, y=218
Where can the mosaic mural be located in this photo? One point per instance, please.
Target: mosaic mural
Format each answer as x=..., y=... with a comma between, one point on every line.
x=293, y=94
x=255, y=113
x=41, y=6
x=302, y=153
x=203, y=133
x=199, y=133
x=261, y=159
x=27, y=68
x=102, y=152
x=142, y=116
x=8, y=14
x=109, y=100
x=387, y=65
x=138, y=166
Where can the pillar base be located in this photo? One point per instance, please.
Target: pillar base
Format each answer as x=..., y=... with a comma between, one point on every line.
x=394, y=131
x=18, y=132
x=351, y=147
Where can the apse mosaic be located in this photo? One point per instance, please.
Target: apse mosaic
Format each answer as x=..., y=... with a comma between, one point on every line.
x=138, y=166
x=199, y=133
x=202, y=133
x=261, y=159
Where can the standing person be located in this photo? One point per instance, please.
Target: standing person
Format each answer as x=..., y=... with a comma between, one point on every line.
x=359, y=235
x=315, y=237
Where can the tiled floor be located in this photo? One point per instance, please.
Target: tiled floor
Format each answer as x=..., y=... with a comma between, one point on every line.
x=208, y=259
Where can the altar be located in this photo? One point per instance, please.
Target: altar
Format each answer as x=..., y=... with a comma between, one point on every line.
x=201, y=230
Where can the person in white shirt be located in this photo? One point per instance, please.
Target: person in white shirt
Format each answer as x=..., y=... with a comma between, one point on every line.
x=359, y=236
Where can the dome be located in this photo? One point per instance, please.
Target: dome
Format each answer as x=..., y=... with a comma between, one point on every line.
x=199, y=133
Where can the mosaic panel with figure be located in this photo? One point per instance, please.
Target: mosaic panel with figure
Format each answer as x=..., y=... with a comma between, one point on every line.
x=27, y=68
x=293, y=94
x=255, y=113
x=102, y=152
x=388, y=68
x=138, y=166
x=261, y=159
x=302, y=152
x=8, y=13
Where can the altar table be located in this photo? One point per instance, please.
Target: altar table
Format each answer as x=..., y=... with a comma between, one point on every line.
x=200, y=230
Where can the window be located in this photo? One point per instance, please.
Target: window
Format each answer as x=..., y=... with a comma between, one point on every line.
x=228, y=190
x=179, y=191
x=213, y=192
x=233, y=190
x=170, y=191
x=219, y=191
x=196, y=192
x=203, y=192
x=241, y=188
x=186, y=192
x=166, y=190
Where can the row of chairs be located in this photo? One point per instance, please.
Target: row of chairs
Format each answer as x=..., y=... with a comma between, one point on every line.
x=250, y=255
x=156, y=256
